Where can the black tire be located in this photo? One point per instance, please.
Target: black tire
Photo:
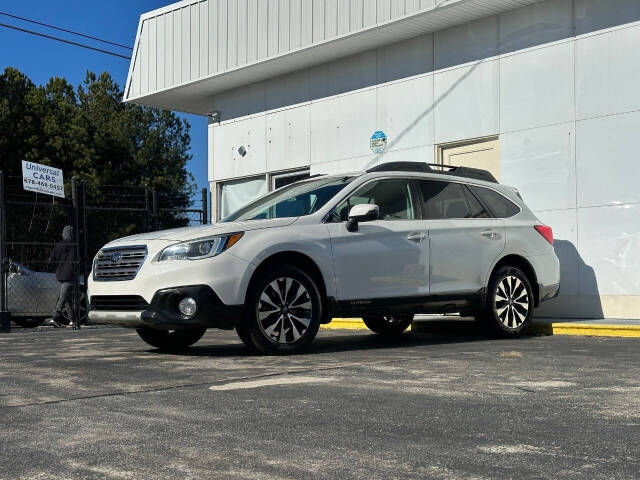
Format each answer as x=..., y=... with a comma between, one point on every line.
x=245, y=337
x=28, y=322
x=277, y=320
x=173, y=340
x=388, y=325
x=510, y=302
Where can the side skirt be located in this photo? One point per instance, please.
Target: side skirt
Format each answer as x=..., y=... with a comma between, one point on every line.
x=440, y=303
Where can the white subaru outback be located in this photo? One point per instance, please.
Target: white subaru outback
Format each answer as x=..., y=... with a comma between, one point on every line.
x=397, y=240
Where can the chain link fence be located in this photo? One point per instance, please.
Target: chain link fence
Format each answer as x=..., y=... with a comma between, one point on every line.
x=32, y=247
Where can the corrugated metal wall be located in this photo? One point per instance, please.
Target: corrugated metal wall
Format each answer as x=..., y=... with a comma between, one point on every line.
x=197, y=39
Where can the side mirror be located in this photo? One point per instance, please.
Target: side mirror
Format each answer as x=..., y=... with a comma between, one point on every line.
x=364, y=212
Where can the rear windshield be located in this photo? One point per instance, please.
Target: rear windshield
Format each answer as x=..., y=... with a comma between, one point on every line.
x=295, y=200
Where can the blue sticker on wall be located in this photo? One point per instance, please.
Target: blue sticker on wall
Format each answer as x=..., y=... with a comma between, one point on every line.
x=378, y=141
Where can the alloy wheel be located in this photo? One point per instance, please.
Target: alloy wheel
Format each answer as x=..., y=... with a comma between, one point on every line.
x=284, y=310
x=511, y=301
x=393, y=320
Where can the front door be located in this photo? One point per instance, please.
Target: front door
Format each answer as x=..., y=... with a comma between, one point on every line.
x=388, y=257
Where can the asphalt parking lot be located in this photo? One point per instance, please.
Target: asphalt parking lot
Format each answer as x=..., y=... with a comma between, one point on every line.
x=100, y=404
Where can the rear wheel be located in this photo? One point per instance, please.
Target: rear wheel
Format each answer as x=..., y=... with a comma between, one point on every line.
x=283, y=313
x=509, y=307
x=388, y=325
x=170, y=339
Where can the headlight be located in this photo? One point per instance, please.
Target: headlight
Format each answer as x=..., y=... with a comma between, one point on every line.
x=200, y=248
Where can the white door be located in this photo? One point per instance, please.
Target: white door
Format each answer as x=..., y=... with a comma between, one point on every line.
x=483, y=154
x=388, y=257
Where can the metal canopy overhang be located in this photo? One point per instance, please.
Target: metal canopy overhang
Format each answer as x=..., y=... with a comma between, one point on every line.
x=197, y=96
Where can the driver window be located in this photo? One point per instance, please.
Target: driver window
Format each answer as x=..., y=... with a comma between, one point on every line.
x=393, y=196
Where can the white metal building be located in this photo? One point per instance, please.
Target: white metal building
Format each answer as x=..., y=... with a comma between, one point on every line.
x=546, y=94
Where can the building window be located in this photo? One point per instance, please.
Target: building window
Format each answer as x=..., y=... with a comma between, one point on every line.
x=285, y=178
x=235, y=194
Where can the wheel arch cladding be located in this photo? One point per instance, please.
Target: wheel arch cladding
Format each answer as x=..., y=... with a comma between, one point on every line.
x=524, y=265
x=295, y=259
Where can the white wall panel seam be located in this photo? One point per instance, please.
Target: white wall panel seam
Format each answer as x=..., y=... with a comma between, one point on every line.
x=331, y=19
x=144, y=60
x=604, y=115
x=186, y=43
x=160, y=53
x=546, y=125
x=203, y=37
x=232, y=34
x=213, y=36
x=194, y=36
x=306, y=27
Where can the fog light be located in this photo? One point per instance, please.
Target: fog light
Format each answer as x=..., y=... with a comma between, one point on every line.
x=187, y=307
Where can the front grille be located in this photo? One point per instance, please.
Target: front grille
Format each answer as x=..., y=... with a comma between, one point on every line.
x=118, y=263
x=125, y=303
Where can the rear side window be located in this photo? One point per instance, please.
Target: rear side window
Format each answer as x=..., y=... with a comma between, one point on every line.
x=448, y=200
x=499, y=205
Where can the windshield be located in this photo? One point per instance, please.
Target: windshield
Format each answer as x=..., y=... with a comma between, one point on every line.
x=295, y=200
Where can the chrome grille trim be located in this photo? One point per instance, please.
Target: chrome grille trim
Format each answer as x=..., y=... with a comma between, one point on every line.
x=106, y=270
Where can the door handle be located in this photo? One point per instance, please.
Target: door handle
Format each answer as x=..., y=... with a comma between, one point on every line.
x=490, y=234
x=416, y=237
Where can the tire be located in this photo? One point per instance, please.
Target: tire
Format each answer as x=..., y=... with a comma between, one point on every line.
x=28, y=322
x=389, y=325
x=246, y=338
x=283, y=312
x=510, y=302
x=171, y=340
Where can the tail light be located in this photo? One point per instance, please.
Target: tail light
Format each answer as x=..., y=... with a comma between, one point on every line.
x=545, y=231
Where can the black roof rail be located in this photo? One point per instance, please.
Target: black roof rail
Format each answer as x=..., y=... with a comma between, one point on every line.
x=402, y=167
x=423, y=167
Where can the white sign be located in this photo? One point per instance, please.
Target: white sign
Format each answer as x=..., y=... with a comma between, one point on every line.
x=42, y=179
x=378, y=141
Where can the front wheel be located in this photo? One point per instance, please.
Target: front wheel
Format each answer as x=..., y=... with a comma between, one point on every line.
x=283, y=312
x=509, y=307
x=389, y=325
x=171, y=339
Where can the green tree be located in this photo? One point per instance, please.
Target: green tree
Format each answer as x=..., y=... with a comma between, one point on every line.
x=90, y=133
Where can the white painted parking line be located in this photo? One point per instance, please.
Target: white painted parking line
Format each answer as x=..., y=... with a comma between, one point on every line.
x=268, y=382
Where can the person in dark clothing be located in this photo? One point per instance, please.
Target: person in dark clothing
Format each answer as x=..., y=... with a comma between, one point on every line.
x=62, y=255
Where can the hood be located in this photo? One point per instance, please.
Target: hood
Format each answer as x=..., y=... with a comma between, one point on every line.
x=191, y=233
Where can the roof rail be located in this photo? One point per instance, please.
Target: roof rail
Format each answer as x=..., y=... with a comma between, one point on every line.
x=423, y=167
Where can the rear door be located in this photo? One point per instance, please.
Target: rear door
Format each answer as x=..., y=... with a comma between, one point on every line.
x=464, y=238
x=385, y=258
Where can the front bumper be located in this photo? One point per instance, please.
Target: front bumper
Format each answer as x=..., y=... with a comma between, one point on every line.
x=163, y=313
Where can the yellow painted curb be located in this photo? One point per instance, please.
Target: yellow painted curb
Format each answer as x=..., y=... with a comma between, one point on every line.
x=346, y=324
x=564, y=328
x=588, y=329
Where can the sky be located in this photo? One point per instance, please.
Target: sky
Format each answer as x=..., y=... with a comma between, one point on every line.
x=113, y=20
